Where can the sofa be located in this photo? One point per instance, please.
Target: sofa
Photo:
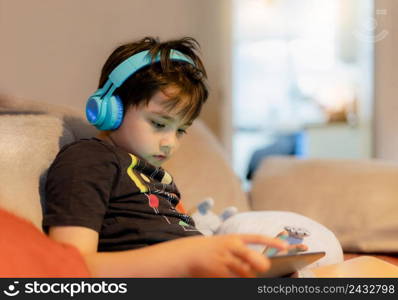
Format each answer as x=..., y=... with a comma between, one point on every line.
x=354, y=199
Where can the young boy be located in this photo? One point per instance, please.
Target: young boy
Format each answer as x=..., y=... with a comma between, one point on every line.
x=108, y=195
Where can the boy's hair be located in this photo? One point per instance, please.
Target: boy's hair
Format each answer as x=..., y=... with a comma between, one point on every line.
x=190, y=81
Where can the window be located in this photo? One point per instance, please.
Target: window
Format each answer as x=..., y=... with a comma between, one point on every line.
x=299, y=65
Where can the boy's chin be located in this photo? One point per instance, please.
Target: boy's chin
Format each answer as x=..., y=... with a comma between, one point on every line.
x=155, y=162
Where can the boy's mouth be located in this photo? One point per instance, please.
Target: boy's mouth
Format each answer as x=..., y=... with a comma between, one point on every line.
x=160, y=157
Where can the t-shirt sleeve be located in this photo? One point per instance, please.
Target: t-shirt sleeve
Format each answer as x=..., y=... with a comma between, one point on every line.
x=79, y=185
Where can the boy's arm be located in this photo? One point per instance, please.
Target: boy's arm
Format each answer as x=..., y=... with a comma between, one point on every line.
x=218, y=256
x=131, y=263
x=83, y=238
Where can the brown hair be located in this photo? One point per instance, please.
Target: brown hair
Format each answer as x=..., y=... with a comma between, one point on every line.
x=189, y=80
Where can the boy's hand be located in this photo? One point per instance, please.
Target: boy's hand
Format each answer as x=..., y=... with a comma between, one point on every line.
x=226, y=255
x=295, y=245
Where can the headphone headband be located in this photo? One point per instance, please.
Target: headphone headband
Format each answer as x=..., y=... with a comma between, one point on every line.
x=138, y=61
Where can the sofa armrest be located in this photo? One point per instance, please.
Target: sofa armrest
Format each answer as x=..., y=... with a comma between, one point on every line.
x=356, y=199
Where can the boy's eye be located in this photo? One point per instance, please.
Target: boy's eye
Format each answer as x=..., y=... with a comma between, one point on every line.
x=157, y=125
x=182, y=131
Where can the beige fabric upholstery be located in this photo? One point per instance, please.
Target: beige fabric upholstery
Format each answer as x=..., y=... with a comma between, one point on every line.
x=28, y=143
x=357, y=200
x=73, y=120
x=32, y=133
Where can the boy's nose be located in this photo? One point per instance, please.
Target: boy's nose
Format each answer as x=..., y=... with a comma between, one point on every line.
x=168, y=143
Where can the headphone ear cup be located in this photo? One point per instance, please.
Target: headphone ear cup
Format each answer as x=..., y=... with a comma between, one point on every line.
x=114, y=113
x=118, y=112
x=95, y=110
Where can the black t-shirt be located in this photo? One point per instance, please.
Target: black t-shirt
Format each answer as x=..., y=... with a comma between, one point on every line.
x=128, y=201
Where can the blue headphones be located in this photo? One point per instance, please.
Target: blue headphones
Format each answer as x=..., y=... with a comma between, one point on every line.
x=105, y=110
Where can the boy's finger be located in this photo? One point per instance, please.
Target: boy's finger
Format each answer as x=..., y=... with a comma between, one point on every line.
x=264, y=240
x=240, y=267
x=301, y=247
x=297, y=248
x=257, y=261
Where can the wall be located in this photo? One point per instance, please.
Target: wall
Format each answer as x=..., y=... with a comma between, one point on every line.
x=215, y=32
x=386, y=87
x=52, y=50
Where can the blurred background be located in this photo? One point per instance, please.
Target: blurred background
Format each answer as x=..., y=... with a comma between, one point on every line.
x=302, y=80
x=308, y=78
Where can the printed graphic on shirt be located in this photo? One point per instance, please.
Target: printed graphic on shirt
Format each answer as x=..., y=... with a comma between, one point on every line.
x=153, y=201
x=166, y=178
x=186, y=226
x=145, y=178
x=142, y=187
x=180, y=208
x=152, y=190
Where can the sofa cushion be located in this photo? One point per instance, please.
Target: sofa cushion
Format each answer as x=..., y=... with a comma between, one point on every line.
x=72, y=119
x=357, y=200
x=31, y=134
x=28, y=145
x=27, y=252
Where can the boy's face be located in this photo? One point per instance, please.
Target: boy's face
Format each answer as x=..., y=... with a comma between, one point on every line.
x=151, y=132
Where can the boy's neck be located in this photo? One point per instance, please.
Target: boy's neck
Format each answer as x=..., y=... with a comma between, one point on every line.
x=105, y=136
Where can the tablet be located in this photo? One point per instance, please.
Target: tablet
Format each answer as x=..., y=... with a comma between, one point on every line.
x=283, y=265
